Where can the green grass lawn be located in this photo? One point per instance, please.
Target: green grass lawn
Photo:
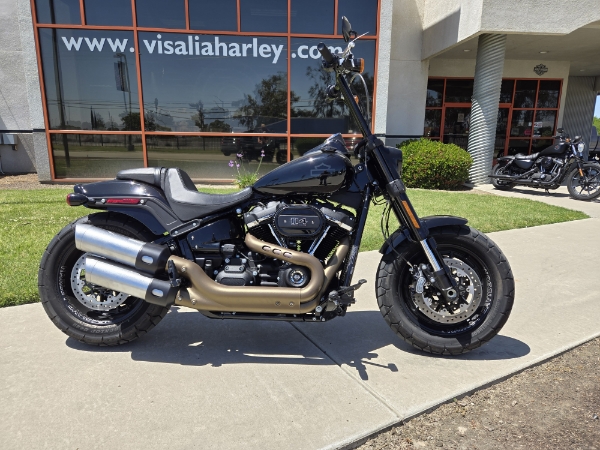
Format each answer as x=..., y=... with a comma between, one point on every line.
x=31, y=218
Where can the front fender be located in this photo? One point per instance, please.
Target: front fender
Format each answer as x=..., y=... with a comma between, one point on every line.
x=431, y=222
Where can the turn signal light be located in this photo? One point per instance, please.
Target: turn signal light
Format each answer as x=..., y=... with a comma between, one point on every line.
x=76, y=199
x=361, y=65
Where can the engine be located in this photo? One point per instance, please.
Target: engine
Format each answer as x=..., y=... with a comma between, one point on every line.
x=315, y=228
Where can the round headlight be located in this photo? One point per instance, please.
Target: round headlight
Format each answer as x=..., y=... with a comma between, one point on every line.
x=580, y=147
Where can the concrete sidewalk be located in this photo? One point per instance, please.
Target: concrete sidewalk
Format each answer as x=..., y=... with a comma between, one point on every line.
x=199, y=383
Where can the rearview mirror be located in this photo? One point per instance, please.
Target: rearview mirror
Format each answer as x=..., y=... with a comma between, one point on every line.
x=347, y=31
x=560, y=131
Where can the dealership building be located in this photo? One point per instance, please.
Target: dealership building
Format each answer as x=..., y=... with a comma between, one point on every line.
x=90, y=87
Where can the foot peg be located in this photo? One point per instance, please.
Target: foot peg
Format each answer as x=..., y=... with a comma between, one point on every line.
x=345, y=295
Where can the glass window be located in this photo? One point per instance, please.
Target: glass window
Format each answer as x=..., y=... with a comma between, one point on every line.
x=435, y=92
x=540, y=144
x=160, y=13
x=312, y=113
x=501, y=126
x=210, y=157
x=264, y=15
x=362, y=14
x=212, y=15
x=58, y=11
x=548, y=95
x=543, y=125
x=516, y=146
x=214, y=83
x=521, y=124
x=312, y=16
x=108, y=12
x=95, y=155
x=433, y=120
x=459, y=91
x=90, y=79
x=456, y=126
x=506, y=91
x=525, y=93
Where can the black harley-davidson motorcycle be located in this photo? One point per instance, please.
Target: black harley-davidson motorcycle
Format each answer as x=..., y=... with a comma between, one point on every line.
x=283, y=249
x=548, y=169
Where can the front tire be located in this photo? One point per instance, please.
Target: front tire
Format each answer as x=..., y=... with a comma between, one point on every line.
x=586, y=187
x=65, y=303
x=439, y=332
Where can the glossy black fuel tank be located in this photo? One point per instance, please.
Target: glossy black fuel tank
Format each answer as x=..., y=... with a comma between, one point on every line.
x=319, y=172
x=554, y=150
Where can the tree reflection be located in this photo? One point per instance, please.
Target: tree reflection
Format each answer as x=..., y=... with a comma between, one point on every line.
x=269, y=103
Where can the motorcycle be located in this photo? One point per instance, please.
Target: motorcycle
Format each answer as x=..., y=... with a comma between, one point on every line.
x=284, y=249
x=549, y=168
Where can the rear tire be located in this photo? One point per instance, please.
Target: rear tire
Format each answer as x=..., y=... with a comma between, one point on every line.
x=588, y=185
x=397, y=301
x=123, y=324
x=500, y=185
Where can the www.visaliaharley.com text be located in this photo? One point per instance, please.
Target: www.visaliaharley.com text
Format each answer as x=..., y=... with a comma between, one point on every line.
x=193, y=46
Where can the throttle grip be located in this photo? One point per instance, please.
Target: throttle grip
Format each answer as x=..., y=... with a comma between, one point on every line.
x=325, y=53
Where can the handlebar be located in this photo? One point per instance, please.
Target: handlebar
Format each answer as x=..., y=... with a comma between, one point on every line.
x=325, y=53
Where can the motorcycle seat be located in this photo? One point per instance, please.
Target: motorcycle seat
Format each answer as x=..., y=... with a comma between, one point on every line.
x=522, y=157
x=187, y=203
x=149, y=175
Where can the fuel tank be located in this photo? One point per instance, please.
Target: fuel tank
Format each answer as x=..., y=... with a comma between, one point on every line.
x=554, y=150
x=322, y=172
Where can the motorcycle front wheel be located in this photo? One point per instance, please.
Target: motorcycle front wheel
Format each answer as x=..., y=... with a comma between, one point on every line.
x=416, y=311
x=584, y=186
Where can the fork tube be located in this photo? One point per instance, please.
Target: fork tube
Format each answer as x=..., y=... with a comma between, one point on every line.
x=348, y=270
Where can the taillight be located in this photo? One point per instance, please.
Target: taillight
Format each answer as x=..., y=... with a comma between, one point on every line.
x=123, y=201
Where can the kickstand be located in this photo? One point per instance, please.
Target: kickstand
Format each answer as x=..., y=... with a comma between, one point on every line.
x=547, y=191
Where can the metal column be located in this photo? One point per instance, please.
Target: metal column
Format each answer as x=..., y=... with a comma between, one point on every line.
x=484, y=110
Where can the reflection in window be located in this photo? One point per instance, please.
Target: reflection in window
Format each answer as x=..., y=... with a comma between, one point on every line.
x=522, y=122
x=435, y=92
x=312, y=16
x=433, y=119
x=214, y=83
x=210, y=157
x=548, y=94
x=516, y=146
x=456, y=126
x=525, y=93
x=90, y=79
x=302, y=145
x=506, y=91
x=108, y=12
x=160, y=13
x=543, y=126
x=540, y=144
x=95, y=155
x=58, y=11
x=459, y=91
x=211, y=15
x=264, y=15
x=362, y=14
x=312, y=113
x=501, y=126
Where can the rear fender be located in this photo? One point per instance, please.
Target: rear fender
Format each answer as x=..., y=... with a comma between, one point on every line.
x=431, y=222
x=153, y=210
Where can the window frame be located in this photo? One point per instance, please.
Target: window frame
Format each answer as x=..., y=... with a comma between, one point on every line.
x=135, y=29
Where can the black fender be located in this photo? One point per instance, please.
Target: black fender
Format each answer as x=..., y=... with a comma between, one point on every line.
x=430, y=222
x=154, y=212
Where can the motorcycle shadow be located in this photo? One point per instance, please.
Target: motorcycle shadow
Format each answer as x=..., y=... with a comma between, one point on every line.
x=361, y=340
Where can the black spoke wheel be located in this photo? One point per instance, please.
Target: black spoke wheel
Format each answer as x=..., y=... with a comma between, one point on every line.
x=500, y=184
x=89, y=313
x=418, y=313
x=584, y=184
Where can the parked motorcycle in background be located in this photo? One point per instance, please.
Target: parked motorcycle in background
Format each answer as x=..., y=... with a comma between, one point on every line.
x=548, y=169
x=284, y=249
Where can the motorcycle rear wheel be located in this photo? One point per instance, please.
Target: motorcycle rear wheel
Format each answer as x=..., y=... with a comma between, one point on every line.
x=63, y=293
x=475, y=254
x=588, y=185
x=498, y=184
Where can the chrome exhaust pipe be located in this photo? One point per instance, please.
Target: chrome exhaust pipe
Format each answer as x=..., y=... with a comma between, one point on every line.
x=123, y=279
x=146, y=257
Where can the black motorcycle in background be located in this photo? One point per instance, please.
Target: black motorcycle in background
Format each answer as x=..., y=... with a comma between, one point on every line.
x=283, y=249
x=548, y=169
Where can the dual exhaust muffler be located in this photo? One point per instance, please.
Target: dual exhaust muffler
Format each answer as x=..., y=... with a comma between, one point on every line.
x=130, y=266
